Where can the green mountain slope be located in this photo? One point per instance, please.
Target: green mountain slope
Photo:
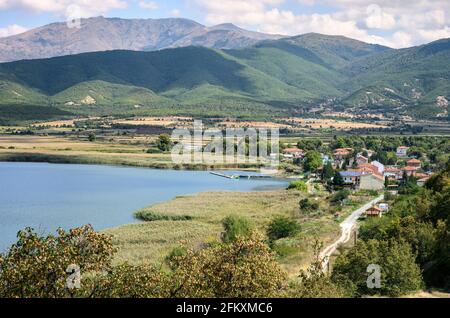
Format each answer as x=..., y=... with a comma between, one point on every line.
x=419, y=76
x=272, y=78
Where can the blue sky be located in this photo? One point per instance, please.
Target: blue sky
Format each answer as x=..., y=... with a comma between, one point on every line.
x=396, y=23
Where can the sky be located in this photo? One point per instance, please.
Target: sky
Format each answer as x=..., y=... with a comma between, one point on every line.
x=394, y=23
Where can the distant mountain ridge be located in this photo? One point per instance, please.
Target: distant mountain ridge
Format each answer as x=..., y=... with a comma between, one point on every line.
x=271, y=77
x=103, y=34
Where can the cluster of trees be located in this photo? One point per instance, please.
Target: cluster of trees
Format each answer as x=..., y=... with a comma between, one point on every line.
x=435, y=149
x=241, y=266
x=411, y=244
x=78, y=263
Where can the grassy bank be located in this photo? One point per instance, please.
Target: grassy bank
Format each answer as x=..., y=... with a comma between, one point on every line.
x=199, y=220
x=114, y=151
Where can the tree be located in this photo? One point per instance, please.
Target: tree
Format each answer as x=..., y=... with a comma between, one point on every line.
x=338, y=181
x=234, y=227
x=40, y=266
x=92, y=137
x=399, y=272
x=243, y=268
x=164, y=143
x=313, y=160
x=328, y=171
x=281, y=227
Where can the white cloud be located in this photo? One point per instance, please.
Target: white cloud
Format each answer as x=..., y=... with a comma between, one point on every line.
x=86, y=8
x=378, y=19
x=175, y=13
x=11, y=30
x=402, y=22
x=151, y=5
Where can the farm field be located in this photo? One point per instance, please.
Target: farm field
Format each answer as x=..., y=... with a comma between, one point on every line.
x=111, y=150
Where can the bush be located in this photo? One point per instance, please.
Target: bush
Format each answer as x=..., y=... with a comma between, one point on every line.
x=92, y=137
x=150, y=216
x=282, y=227
x=174, y=256
x=308, y=206
x=235, y=226
x=298, y=185
x=340, y=196
x=244, y=268
x=153, y=150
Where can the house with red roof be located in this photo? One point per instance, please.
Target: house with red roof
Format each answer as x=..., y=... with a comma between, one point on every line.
x=293, y=153
x=414, y=163
x=341, y=153
x=374, y=211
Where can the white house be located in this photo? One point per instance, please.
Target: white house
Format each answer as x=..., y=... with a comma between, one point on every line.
x=402, y=151
x=379, y=166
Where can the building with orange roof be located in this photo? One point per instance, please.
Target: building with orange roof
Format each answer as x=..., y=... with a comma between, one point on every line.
x=410, y=171
x=414, y=163
x=367, y=167
x=293, y=152
x=374, y=211
x=341, y=153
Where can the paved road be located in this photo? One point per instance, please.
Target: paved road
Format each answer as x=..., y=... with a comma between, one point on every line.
x=347, y=226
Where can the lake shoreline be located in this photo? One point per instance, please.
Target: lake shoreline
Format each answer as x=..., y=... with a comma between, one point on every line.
x=86, y=160
x=103, y=195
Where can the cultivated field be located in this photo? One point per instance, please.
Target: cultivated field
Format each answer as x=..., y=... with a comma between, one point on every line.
x=113, y=150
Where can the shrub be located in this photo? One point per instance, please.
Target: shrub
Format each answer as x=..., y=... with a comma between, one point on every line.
x=150, y=216
x=340, y=196
x=174, y=256
x=308, y=206
x=235, y=226
x=298, y=185
x=92, y=137
x=282, y=227
x=244, y=268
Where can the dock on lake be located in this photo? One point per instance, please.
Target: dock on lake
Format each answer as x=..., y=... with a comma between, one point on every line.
x=237, y=176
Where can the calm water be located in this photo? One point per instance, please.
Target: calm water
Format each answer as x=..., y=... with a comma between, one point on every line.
x=48, y=196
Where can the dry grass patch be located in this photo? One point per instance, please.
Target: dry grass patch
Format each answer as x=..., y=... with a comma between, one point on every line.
x=152, y=241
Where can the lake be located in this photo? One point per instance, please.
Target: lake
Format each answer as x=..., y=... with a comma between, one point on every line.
x=47, y=196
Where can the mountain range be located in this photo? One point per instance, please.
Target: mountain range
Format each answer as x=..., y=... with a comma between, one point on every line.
x=104, y=34
x=188, y=69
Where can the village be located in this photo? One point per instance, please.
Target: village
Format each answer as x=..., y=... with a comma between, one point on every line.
x=355, y=171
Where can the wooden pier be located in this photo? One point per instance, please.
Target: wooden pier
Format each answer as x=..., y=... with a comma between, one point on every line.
x=237, y=176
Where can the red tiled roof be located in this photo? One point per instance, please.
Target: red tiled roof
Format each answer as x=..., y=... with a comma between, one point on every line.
x=414, y=160
x=367, y=167
x=292, y=150
x=391, y=169
x=410, y=168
